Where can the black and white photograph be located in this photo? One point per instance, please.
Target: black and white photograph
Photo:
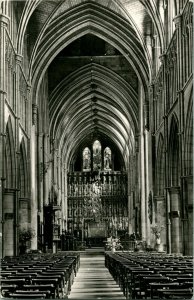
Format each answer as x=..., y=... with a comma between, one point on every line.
x=96, y=149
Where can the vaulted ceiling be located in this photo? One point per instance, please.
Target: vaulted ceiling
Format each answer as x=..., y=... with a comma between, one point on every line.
x=97, y=55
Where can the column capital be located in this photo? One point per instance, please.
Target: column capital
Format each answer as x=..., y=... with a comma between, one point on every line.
x=18, y=59
x=11, y=190
x=151, y=85
x=177, y=20
x=24, y=199
x=159, y=198
x=173, y=189
x=162, y=57
x=188, y=178
x=2, y=92
x=29, y=88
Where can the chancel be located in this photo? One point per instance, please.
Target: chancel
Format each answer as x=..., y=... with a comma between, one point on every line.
x=96, y=149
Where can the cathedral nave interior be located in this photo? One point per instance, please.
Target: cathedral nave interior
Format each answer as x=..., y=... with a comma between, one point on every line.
x=96, y=143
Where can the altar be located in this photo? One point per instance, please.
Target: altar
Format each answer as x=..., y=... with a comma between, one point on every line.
x=97, y=233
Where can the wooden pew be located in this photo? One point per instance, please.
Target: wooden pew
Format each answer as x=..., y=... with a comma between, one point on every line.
x=42, y=287
x=29, y=295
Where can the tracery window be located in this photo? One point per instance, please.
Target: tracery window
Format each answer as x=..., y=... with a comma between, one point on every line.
x=97, y=156
x=86, y=159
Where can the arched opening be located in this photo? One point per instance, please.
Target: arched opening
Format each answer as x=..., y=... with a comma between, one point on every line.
x=188, y=154
x=9, y=157
x=174, y=190
x=159, y=199
x=188, y=181
x=97, y=199
x=77, y=112
x=23, y=174
x=9, y=197
x=174, y=163
x=24, y=217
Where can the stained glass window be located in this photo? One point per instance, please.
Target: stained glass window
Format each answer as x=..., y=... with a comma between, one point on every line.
x=86, y=159
x=97, y=156
x=107, y=159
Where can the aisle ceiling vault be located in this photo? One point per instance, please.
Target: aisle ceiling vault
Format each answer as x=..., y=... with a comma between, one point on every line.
x=96, y=56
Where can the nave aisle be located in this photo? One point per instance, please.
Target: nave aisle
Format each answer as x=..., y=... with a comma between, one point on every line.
x=93, y=280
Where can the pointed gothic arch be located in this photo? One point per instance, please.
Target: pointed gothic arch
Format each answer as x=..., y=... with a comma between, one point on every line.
x=174, y=163
x=188, y=151
x=10, y=158
x=87, y=21
x=23, y=173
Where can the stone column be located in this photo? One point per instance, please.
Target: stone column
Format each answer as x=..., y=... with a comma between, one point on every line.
x=34, y=210
x=23, y=212
x=188, y=220
x=181, y=103
x=9, y=223
x=130, y=214
x=166, y=146
x=18, y=60
x=40, y=173
x=142, y=185
x=3, y=25
x=130, y=201
x=65, y=212
x=63, y=220
x=176, y=240
x=148, y=178
x=46, y=166
x=59, y=162
x=4, y=21
x=141, y=168
x=40, y=188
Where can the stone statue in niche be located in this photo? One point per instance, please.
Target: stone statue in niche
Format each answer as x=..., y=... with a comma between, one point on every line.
x=107, y=159
x=53, y=195
x=97, y=156
x=86, y=159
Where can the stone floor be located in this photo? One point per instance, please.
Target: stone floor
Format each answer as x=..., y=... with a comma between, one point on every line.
x=93, y=280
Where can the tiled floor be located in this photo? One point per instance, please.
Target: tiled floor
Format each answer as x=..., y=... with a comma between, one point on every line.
x=93, y=280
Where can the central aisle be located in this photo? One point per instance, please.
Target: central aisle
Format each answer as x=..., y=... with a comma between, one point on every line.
x=93, y=280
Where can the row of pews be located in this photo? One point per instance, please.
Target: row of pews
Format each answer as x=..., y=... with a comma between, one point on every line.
x=152, y=276
x=39, y=276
